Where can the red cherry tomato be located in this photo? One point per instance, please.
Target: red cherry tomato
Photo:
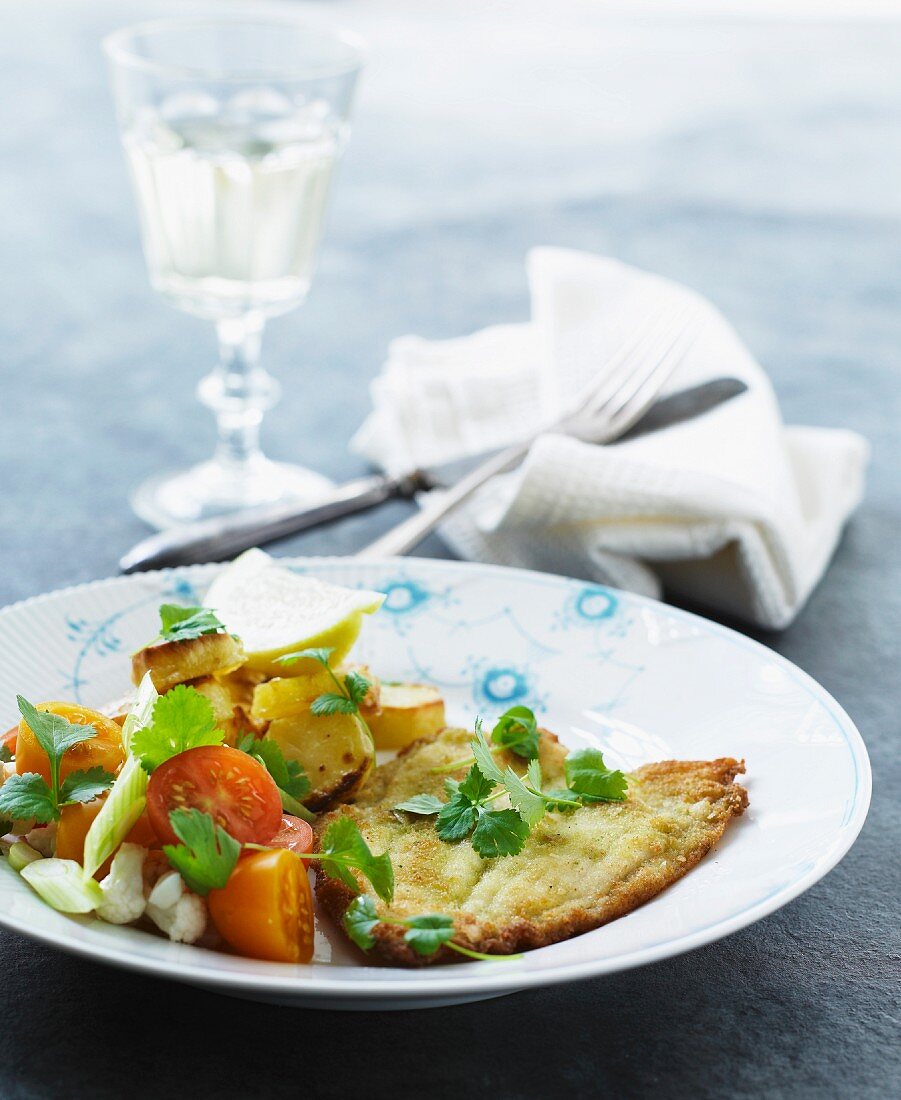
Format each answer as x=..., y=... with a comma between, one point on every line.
x=295, y=835
x=237, y=792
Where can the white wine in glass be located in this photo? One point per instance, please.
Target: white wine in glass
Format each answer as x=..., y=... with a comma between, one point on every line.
x=232, y=128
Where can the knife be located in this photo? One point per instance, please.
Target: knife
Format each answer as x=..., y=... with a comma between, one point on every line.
x=222, y=537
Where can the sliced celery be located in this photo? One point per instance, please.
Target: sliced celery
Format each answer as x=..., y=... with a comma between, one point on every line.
x=61, y=883
x=123, y=806
x=141, y=711
x=21, y=854
x=126, y=799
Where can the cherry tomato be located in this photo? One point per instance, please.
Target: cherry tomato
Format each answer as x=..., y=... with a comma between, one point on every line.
x=295, y=835
x=74, y=822
x=265, y=910
x=143, y=833
x=76, y=819
x=104, y=749
x=237, y=792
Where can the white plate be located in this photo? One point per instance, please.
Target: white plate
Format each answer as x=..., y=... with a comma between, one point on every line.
x=639, y=679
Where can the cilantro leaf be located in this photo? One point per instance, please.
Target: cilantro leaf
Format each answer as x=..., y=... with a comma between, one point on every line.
x=180, y=624
x=476, y=787
x=320, y=654
x=456, y=819
x=360, y=919
x=332, y=703
x=589, y=778
x=423, y=804
x=481, y=750
x=357, y=687
x=533, y=771
x=83, y=786
x=530, y=806
x=28, y=796
x=427, y=933
x=5, y=754
x=246, y=742
x=182, y=719
x=289, y=775
x=342, y=847
x=499, y=833
x=207, y=854
x=517, y=730
x=560, y=800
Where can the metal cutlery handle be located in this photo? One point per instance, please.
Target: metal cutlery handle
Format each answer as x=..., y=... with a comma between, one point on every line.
x=409, y=533
x=221, y=538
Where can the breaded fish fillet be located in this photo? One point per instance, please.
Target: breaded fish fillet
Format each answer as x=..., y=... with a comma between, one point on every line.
x=576, y=871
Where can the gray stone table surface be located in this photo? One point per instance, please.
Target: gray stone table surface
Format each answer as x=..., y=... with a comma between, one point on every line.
x=755, y=157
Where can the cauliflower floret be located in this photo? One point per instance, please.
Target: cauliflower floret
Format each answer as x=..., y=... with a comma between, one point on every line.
x=43, y=839
x=123, y=888
x=175, y=911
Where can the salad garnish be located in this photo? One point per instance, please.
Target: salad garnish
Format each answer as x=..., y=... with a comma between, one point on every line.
x=492, y=833
x=289, y=776
x=351, y=688
x=180, y=624
x=182, y=719
x=206, y=855
x=424, y=934
x=30, y=796
x=343, y=849
x=516, y=730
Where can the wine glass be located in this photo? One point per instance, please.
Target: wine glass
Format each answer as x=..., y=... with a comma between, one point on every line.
x=231, y=129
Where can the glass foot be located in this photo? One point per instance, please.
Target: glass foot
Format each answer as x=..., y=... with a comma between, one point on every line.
x=215, y=489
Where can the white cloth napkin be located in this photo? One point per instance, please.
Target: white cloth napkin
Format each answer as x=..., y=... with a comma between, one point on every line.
x=732, y=510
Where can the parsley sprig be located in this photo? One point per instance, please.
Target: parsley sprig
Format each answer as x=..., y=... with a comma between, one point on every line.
x=503, y=832
x=29, y=795
x=206, y=855
x=425, y=934
x=342, y=850
x=5, y=754
x=180, y=624
x=516, y=731
x=289, y=775
x=350, y=689
x=182, y=719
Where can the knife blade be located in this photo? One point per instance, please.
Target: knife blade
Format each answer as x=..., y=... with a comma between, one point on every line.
x=222, y=537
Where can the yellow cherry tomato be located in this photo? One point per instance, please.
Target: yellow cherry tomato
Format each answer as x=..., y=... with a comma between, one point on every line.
x=265, y=910
x=104, y=749
x=76, y=819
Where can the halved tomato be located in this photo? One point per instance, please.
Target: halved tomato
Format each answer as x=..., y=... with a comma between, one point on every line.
x=265, y=910
x=295, y=835
x=233, y=788
x=104, y=749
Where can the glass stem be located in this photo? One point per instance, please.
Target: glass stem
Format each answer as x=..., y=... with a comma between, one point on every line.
x=239, y=391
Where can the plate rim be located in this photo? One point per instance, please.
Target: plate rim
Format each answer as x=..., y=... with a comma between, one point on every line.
x=480, y=982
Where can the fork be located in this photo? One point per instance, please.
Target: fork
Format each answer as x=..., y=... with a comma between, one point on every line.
x=603, y=410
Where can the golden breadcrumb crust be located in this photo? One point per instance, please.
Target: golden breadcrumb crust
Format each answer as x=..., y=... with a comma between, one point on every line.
x=575, y=872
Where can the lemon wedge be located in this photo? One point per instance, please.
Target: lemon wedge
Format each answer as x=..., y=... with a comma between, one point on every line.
x=275, y=611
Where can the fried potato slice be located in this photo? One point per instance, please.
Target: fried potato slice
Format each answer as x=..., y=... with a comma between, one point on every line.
x=575, y=873
x=335, y=751
x=407, y=713
x=171, y=663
